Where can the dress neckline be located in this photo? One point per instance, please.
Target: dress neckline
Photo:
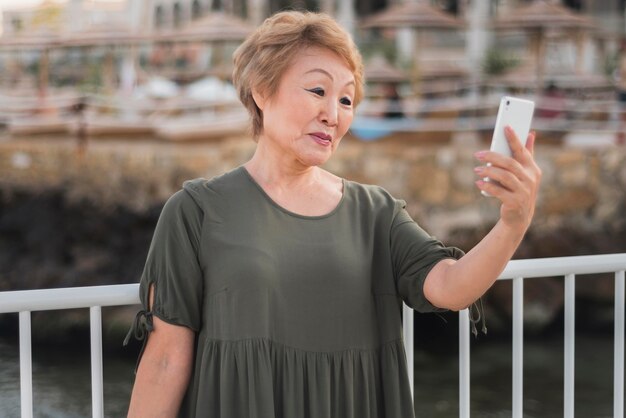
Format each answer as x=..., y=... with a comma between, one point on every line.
x=344, y=184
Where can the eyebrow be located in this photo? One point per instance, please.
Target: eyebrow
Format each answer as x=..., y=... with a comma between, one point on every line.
x=319, y=70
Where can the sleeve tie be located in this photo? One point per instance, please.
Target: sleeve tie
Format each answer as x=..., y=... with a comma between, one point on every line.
x=475, y=316
x=141, y=328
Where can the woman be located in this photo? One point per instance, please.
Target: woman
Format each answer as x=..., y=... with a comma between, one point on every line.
x=275, y=290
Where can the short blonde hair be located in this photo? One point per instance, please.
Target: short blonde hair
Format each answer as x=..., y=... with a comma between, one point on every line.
x=265, y=55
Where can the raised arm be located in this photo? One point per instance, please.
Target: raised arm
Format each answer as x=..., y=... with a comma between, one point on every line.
x=164, y=371
x=457, y=284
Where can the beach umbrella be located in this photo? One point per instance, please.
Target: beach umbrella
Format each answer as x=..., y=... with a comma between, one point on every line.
x=541, y=15
x=102, y=35
x=40, y=40
x=539, y=21
x=379, y=70
x=33, y=40
x=107, y=37
x=416, y=16
x=213, y=27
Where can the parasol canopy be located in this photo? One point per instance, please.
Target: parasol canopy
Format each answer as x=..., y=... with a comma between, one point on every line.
x=418, y=15
x=101, y=35
x=542, y=14
x=212, y=27
x=540, y=19
x=378, y=70
x=41, y=40
x=34, y=40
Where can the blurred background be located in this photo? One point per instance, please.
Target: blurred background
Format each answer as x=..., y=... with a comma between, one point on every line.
x=106, y=107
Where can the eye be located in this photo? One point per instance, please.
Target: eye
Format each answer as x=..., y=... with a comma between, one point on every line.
x=319, y=91
x=345, y=101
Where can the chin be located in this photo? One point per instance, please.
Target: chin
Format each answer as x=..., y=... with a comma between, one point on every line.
x=314, y=160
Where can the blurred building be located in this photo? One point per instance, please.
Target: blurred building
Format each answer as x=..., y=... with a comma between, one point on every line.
x=170, y=13
x=155, y=14
x=465, y=48
x=75, y=15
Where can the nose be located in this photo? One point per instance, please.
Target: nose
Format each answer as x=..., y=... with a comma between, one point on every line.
x=329, y=113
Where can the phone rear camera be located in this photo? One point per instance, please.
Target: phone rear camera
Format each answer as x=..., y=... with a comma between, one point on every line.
x=508, y=102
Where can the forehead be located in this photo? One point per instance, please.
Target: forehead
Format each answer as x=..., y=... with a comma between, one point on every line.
x=316, y=58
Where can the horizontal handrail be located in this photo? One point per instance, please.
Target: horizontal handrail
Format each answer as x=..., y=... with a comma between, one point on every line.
x=69, y=298
x=561, y=266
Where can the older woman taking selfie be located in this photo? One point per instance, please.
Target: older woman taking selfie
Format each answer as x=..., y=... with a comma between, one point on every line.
x=275, y=290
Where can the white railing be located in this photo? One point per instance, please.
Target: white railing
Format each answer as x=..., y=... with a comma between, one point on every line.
x=95, y=297
x=518, y=271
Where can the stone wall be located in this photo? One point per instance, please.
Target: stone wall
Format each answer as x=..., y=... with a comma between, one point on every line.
x=582, y=187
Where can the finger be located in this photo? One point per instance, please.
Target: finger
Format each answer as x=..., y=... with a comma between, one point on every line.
x=502, y=161
x=530, y=142
x=517, y=149
x=514, y=143
x=506, y=178
x=494, y=189
x=507, y=198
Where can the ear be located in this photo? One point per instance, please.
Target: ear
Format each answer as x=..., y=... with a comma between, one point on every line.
x=258, y=98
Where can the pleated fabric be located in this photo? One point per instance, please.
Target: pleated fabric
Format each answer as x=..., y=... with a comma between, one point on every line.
x=260, y=378
x=295, y=316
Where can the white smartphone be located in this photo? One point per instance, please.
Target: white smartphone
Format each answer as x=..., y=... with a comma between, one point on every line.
x=516, y=113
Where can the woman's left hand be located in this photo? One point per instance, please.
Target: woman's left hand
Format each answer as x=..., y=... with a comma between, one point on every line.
x=518, y=180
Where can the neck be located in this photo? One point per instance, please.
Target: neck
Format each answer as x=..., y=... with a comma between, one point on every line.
x=271, y=166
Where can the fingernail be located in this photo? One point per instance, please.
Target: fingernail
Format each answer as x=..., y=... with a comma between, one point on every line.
x=479, y=183
x=480, y=154
x=479, y=170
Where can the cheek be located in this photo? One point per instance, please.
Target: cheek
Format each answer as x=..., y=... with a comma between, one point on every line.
x=299, y=116
x=292, y=113
x=345, y=123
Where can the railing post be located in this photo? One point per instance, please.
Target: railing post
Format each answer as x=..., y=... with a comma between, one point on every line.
x=26, y=366
x=407, y=329
x=618, y=373
x=464, y=364
x=518, y=347
x=97, y=402
x=570, y=333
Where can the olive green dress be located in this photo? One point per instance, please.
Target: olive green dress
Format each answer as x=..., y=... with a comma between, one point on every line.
x=295, y=316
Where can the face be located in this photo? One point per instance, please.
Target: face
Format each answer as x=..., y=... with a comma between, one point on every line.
x=312, y=109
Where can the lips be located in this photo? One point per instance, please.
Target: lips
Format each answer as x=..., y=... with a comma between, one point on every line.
x=322, y=138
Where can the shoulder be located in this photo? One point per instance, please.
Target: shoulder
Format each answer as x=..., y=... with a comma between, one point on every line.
x=196, y=196
x=200, y=186
x=375, y=198
x=212, y=198
x=373, y=195
x=181, y=205
x=205, y=191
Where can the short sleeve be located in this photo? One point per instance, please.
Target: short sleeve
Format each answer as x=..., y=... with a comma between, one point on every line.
x=414, y=253
x=173, y=266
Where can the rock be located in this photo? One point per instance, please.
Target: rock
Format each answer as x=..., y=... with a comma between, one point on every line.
x=569, y=201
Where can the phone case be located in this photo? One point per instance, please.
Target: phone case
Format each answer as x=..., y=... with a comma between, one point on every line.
x=516, y=113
